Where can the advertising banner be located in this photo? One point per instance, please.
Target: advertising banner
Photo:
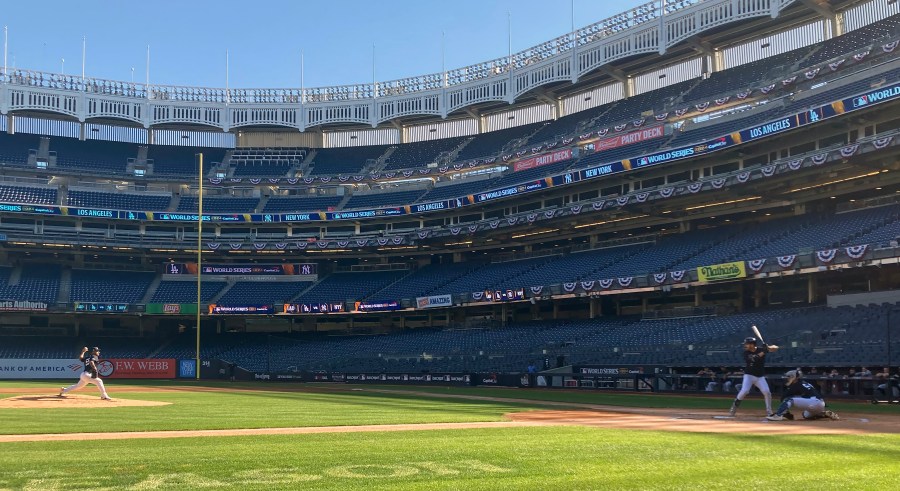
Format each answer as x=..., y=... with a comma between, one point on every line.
x=40, y=369
x=601, y=144
x=724, y=271
x=22, y=305
x=302, y=217
x=603, y=170
x=172, y=308
x=376, y=378
x=187, y=368
x=137, y=368
x=35, y=209
x=377, y=306
x=434, y=301
x=433, y=206
x=503, y=379
x=353, y=215
x=242, y=269
x=512, y=190
x=241, y=309
x=541, y=160
x=611, y=370
x=765, y=130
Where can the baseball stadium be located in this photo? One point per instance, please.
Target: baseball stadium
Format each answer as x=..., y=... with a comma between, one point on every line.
x=660, y=251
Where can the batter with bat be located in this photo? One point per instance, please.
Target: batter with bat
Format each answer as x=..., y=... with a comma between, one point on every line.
x=90, y=375
x=754, y=371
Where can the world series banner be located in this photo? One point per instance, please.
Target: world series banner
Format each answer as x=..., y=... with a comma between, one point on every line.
x=724, y=271
x=242, y=269
x=240, y=309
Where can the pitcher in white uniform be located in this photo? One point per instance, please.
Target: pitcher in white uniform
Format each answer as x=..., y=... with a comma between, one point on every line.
x=90, y=375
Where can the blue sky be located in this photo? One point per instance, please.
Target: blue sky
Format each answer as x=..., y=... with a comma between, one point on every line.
x=188, y=38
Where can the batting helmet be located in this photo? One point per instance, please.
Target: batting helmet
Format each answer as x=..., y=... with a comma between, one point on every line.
x=750, y=340
x=95, y=350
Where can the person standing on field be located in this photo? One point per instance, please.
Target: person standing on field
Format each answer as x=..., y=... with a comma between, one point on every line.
x=90, y=375
x=754, y=374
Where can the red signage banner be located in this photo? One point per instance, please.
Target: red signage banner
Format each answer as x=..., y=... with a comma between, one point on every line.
x=138, y=368
x=630, y=138
x=545, y=159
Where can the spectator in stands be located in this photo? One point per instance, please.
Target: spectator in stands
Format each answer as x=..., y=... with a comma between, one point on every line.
x=706, y=379
x=886, y=380
x=738, y=373
x=852, y=377
x=835, y=385
x=532, y=368
x=727, y=382
x=864, y=373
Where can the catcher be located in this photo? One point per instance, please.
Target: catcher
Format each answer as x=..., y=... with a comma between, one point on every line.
x=754, y=373
x=804, y=396
x=90, y=375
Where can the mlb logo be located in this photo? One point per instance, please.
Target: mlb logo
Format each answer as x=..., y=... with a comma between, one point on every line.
x=860, y=101
x=642, y=161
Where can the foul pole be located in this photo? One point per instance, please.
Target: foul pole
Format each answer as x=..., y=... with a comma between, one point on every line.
x=199, y=255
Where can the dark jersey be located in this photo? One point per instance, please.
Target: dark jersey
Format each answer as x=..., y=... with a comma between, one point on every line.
x=755, y=361
x=90, y=361
x=801, y=388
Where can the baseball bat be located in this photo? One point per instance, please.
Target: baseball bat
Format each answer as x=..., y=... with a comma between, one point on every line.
x=758, y=335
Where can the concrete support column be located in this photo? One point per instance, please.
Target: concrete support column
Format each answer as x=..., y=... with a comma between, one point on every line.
x=811, y=286
x=595, y=310
x=758, y=294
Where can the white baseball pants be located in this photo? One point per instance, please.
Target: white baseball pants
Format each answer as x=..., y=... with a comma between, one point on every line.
x=760, y=382
x=810, y=406
x=84, y=379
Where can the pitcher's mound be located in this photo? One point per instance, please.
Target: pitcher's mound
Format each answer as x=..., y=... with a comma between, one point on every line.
x=48, y=401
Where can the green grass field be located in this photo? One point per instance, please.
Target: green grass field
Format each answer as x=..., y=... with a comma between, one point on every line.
x=532, y=458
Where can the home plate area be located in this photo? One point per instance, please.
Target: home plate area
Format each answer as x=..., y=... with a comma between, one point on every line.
x=710, y=422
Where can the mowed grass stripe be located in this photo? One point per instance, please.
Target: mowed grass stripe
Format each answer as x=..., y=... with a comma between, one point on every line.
x=532, y=458
x=207, y=410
